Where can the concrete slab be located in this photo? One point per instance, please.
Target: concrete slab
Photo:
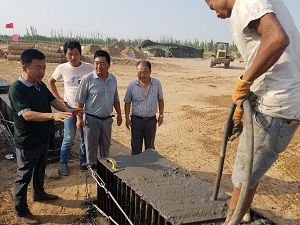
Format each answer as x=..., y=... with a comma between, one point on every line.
x=180, y=197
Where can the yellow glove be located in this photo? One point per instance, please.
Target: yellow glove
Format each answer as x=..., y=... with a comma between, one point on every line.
x=240, y=94
x=238, y=114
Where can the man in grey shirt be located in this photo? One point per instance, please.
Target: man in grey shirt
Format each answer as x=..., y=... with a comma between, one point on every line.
x=145, y=94
x=98, y=94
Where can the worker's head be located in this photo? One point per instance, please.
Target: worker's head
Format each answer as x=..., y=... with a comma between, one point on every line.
x=222, y=8
x=143, y=68
x=101, y=62
x=33, y=65
x=72, y=51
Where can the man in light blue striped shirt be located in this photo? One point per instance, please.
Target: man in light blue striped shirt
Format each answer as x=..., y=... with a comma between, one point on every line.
x=146, y=95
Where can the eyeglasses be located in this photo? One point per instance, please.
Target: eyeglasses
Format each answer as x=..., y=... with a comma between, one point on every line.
x=143, y=72
x=100, y=63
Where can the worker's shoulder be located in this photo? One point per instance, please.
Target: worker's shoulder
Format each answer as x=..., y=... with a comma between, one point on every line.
x=133, y=82
x=87, y=64
x=155, y=80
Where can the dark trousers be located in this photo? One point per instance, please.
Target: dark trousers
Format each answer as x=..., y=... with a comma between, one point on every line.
x=142, y=129
x=31, y=167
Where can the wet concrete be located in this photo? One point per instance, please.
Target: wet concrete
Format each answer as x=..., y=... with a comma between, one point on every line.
x=180, y=197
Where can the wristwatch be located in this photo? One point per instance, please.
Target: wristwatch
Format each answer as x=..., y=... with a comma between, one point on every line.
x=161, y=116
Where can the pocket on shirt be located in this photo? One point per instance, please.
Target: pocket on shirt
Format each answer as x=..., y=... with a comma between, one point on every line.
x=153, y=101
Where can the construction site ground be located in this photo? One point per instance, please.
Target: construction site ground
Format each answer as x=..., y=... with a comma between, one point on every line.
x=197, y=100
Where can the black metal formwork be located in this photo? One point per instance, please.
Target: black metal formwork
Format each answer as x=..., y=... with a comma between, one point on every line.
x=6, y=120
x=6, y=112
x=4, y=86
x=154, y=191
x=5, y=104
x=56, y=138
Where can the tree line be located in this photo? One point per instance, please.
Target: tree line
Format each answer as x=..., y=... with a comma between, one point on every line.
x=97, y=38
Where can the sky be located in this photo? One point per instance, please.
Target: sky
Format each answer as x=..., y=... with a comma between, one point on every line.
x=121, y=19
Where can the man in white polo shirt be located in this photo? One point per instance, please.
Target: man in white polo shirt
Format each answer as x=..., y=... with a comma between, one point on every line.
x=71, y=73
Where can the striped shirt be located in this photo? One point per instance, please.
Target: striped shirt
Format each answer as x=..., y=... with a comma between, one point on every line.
x=144, y=104
x=97, y=96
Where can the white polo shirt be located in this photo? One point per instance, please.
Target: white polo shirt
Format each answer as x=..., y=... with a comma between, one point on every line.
x=71, y=76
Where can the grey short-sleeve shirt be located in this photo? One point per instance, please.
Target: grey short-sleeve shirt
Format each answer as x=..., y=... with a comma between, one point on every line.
x=98, y=96
x=144, y=104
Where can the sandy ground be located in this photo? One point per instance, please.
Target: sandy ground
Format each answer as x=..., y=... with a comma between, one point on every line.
x=197, y=100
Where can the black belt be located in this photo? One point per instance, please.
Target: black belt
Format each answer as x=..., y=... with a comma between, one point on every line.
x=100, y=118
x=144, y=118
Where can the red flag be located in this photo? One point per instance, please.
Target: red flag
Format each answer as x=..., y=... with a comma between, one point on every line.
x=9, y=25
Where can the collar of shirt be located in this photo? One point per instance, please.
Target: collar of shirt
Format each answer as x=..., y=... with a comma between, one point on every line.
x=137, y=81
x=97, y=77
x=27, y=83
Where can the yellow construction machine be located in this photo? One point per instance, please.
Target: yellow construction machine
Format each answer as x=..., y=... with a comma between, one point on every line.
x=221, y=55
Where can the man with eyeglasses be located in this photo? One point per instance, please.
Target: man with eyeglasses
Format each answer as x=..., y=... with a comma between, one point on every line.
x=146, y=95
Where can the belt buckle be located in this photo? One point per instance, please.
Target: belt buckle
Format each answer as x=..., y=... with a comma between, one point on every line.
x=145, y=119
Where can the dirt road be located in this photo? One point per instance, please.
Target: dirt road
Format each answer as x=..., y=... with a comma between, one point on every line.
x=197, y=99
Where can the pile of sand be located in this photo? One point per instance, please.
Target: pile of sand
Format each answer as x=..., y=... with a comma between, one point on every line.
x=115, y=49
x=90, y=49
x=133, y=53
x=87, y=58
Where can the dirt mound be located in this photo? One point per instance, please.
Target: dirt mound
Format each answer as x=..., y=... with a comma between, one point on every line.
x=53, y=53
x=87, y=58
x=46, y=47
x=115, y=49
x=90, y=49
x=124, y=61
x=133, y=53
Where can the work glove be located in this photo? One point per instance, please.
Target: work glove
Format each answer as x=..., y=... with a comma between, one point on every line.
x=235, y=130
x=241, y=93
x=239, y=111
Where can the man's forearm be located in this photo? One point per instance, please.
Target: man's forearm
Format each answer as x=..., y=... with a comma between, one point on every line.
x=117, y=108
x=60, y=106
x=161, y=106
x=37, y=116
x=53, y=88
x=79, y=106
x=127, y=110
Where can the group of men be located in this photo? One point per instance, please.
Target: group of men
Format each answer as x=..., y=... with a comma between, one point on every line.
x=94, y=89
x=268, y=41
x=90, y=94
